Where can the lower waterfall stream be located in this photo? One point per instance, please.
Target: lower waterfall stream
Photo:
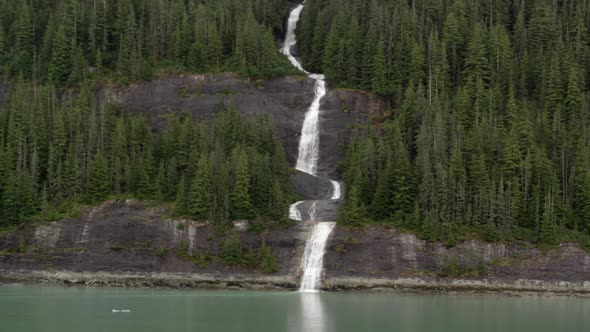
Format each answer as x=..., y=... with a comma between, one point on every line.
x=307, y=162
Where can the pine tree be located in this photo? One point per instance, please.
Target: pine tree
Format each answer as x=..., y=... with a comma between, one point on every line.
x=23, y=60
x=353, y=207
x=201, y=199
x=241, y=204
x=182, y=201
x=379, y=70
x=98, y=173
x=60, y=67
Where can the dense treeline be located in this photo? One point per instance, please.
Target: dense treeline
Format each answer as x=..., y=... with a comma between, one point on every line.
x=491, y=129
x=65, y=41
x=56, y=154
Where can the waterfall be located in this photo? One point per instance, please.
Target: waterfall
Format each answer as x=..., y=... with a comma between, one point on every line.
x=307, y=161
x=294, y=212
x=336, y=191
x=309, y=145
x=290, y=38
x=313, y=258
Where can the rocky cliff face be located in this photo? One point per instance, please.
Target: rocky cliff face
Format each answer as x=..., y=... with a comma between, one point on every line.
x=386, y=254
x=129, y=243
x=122, y=242
x=132, y=237
x=286, y=99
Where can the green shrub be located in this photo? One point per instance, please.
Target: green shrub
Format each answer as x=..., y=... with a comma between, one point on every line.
x=162, y=252
x=231, y=252
x=182, y=250
x=251, y=258
x=202, y=259
x=451, y=268
x=269, y=263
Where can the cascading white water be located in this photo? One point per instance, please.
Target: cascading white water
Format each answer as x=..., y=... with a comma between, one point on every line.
x=313, y=258
x=294, y=213
x=336, y=191
x=307, y=161
x=309, y=145
x=290, y=38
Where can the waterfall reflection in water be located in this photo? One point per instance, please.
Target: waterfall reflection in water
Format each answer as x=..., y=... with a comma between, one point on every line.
x=312, y=313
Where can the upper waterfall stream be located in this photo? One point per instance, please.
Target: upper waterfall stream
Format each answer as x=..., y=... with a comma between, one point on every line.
x=307, y=161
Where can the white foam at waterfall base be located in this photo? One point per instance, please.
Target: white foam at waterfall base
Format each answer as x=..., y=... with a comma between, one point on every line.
x=313, y=258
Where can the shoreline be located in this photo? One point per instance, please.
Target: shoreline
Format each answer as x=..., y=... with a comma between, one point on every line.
x=516, y=287
x=150, y=280
x=424, y=286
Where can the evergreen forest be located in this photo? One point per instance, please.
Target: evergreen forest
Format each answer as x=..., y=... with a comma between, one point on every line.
x=67, y=41
x=489, y=135
x=62, y=146
x=56, y=155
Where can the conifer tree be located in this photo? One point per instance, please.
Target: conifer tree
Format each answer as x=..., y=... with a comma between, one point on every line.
x=241, y=204
x=201, y=199
x=379, y=70
x=182, y=202
x=98, y=173
x=60, y=67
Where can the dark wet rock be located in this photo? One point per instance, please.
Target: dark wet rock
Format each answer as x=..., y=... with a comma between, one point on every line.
x=129, y=236
x=386, y=253
x=285, y=98
x=311, y=187
x=120, y=243
x=341, y=110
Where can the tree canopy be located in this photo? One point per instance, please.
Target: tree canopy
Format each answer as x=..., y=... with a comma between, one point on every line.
x=66, y=41
x=490, y=121
x=54, y=155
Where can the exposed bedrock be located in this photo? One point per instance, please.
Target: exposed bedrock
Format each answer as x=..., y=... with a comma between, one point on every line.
x=130, y=236
x=311, y=187
x=341, y=109
x=287, y=99
x=326, y=210
x=383, y=253
x=122, y=241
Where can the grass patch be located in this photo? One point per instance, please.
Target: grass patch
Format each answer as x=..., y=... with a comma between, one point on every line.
x=341, y=249
x=118, y=247
x=162, y=252
x=351, y=240
x=453, y=268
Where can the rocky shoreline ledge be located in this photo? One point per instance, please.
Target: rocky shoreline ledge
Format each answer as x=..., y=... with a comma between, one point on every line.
x=150, y=280
x=517, y=287
x=119, y=247
x=455, y=285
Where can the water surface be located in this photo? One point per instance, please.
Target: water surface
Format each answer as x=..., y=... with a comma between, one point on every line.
x=47, y=309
